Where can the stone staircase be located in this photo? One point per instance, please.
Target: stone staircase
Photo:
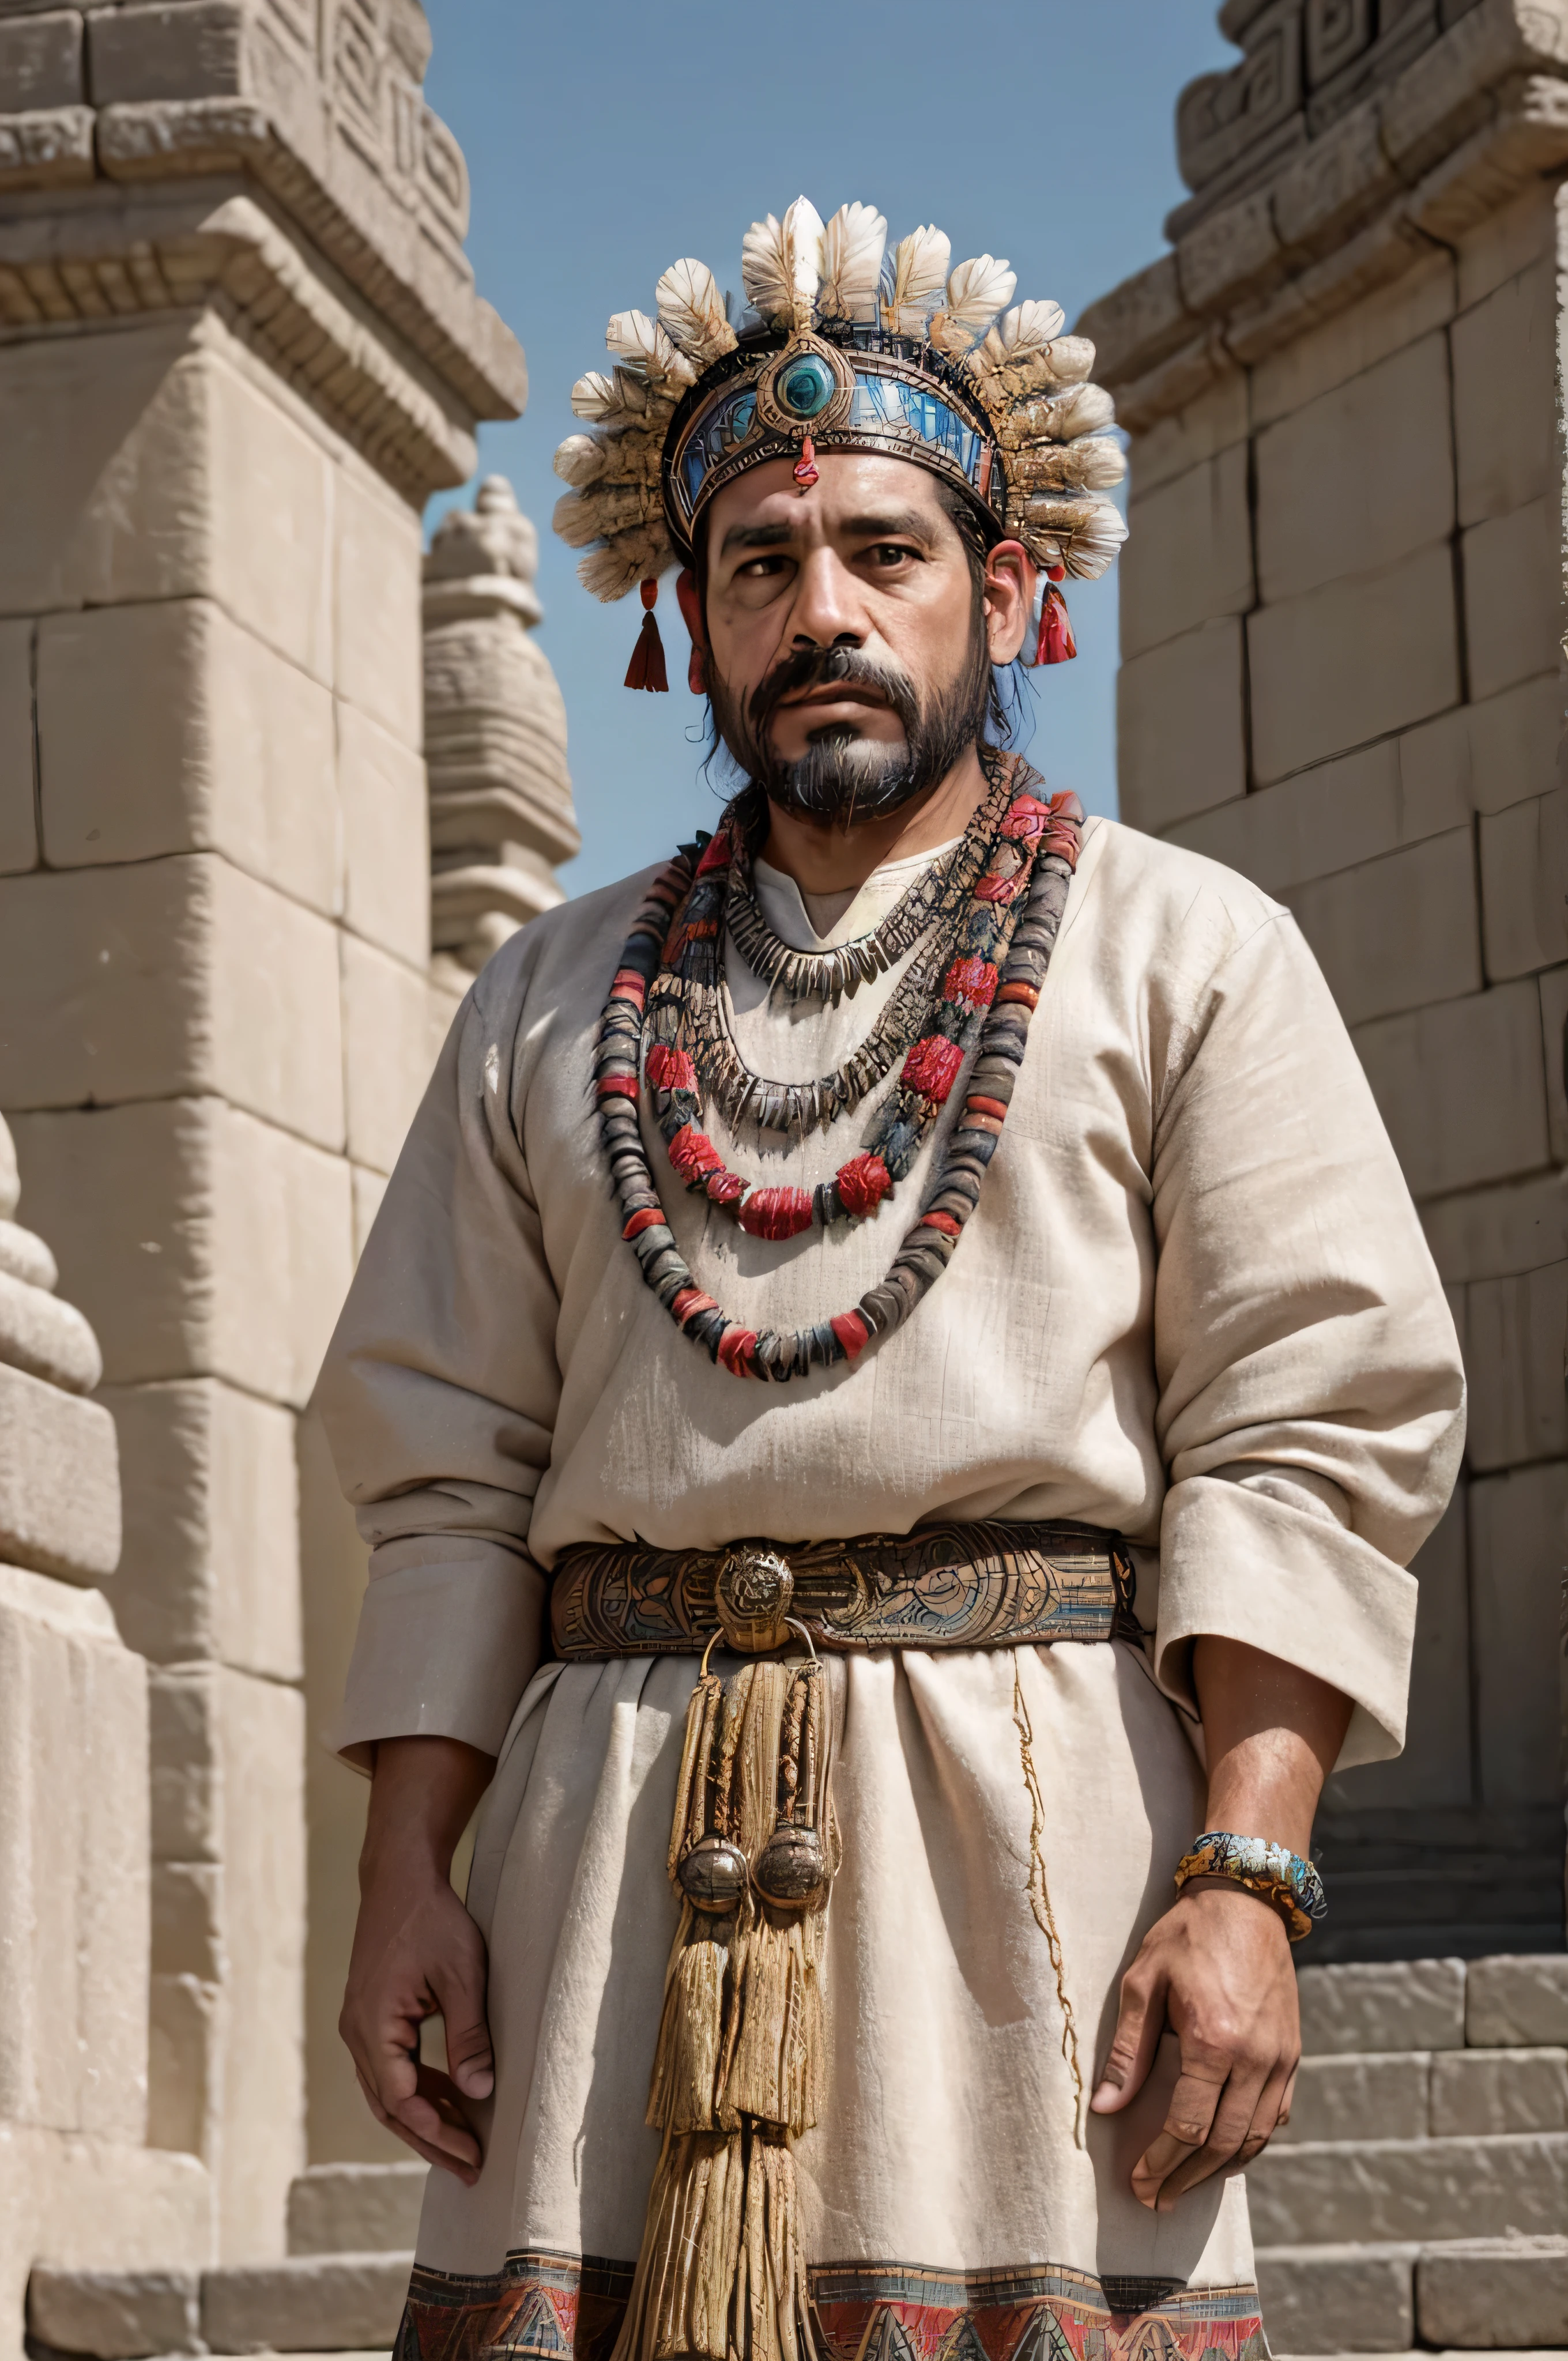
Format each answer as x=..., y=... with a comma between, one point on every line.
x=1416, y=2202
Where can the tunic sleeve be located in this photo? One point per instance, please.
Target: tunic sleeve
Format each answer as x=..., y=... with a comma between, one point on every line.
x=439, y=1394
x=1311, y=1396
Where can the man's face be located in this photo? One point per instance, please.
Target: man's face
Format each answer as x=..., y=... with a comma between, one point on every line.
x=847, y=654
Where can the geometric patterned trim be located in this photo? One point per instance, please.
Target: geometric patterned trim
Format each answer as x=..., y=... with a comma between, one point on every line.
x=551, y=2307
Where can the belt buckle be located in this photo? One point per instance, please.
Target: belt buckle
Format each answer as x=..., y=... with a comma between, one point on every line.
x=752, y=1593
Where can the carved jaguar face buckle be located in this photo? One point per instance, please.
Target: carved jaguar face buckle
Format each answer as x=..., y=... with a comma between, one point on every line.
x=752, y=1595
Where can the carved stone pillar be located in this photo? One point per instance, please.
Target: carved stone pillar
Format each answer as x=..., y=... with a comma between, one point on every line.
x=1343, y=675
x=495, y=732
x=242, y=347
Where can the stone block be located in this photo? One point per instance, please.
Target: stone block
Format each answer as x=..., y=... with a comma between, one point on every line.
x=369, y=1188
x=1499, y=2091
x=1518, y=1524
x=1500, y=1233
x=328, y=2301
x=105, y=477
x=1359, y=478
x=183, y=2065
x=1192, y=559
x=1337, y=2299
x=192, y=50
x=1398, y=932
x=49, y=1339
x=1180, y=743
x=183, y=1746
x=1360, y=2098
x=188, y=1931
x=18, y=819
x=1482, y=758
x=230, y=747
x=112, y=1896
x=270, y=560
x=262, y=1738
x=1513, y=597
x=1518, y=2000
x=1354, y=340
x=1367, y=2191
x=1433, y=1771
x=1382, y=2006
x=1516, y=1330
x=1352, y=661
x=40, y=60
x=386, y=838
x=118, y=2315
x=1461, y=1088
x=59, y=1482
x=1524, y=867
x=1231, y=254
x=1554, y=1038
x=386, y=1051
x=1503, y=243
x=1512, y=2287
x=337, y=2209
x=1208, y=425
x=47, y=147
x=380, y=662
x=1505, y=360
x=148, y=978
x=1323, y=820
x=281, y=1256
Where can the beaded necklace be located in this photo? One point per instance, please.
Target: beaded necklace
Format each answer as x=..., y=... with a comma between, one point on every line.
x=1045, y=837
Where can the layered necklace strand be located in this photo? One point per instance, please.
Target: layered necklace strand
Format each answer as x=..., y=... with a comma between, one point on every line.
x=1035, y=846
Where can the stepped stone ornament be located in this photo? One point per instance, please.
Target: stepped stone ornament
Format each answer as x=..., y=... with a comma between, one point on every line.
x=500, y=794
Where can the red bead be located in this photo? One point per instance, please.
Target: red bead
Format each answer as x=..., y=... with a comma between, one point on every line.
x=946, y=1223
x=776, y=1213
x=971, y=983
x=644, y=1219
x=690, y=1303
x=735, y=1347
x=670, y=1069
x=618, y=1086
x=1023, y=995
x=716, y=854
x=628, y=984
x=977, y=1105
x=932, y=1066
x=724, y=1188
x=851, y=1332
x=1025, y=819
x=863, y=1184
x=693, y=1154
x=996, y=889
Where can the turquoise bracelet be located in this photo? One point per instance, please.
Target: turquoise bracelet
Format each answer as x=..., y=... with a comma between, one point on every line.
x=1270, y=1871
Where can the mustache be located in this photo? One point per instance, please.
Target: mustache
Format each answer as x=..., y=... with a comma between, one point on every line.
x=806, y=668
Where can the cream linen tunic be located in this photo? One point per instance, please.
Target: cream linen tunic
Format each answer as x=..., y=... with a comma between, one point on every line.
x=1194, y=1304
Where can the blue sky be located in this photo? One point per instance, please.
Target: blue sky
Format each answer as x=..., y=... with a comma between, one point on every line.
x=605, y=141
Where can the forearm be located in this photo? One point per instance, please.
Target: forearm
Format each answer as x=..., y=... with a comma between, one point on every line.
x=1272, y=1735
x=422, y=1795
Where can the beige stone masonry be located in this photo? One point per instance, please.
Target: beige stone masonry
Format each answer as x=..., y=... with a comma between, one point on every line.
x=1195, y=552
x=1554, y=1041
x=1515, y=1331
x=386, y=1012
x=1463, y=2294
x=237, y=747
x=1504, y=433
x=18, y=825
x=1512, y=595
x=1513, y=2090
x=1397, y=933
x=1500, y=1233
x=1350, y=661
x=1515, y=1529
x=381, y=790
x=1180, y=726
x=1381, y=2007
x=60, y=1491
x=1524, y=870
x=46, y=1338
x=1518, y=2000
x=1461, y=1088
x=26, y=1258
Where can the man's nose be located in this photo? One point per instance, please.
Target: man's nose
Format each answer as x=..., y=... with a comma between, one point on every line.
x=826, y=604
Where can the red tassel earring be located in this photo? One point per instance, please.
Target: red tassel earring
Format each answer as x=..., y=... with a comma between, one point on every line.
x=806, y=466
x=1056, y=644
x=646, y=669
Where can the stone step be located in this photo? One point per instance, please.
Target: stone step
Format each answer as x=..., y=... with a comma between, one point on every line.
x=361, y=2209
x=1419, y=2093
x=1400, y=2004
x=310, y=2304
x=1462, y=2294
x=1333, y=2193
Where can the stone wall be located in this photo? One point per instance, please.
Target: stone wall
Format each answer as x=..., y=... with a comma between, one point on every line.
x=241, y=346
x=1343, y=675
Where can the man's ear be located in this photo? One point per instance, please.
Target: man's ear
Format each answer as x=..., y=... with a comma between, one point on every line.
x=1009, y=597
x=690, y=601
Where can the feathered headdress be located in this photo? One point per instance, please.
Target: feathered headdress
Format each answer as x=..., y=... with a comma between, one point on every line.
x=848, y=347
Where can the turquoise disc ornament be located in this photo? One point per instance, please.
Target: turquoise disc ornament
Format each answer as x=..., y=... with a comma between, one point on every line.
x=806, y=387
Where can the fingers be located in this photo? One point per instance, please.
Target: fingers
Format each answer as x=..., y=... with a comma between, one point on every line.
x=431, y=2122
x=1210, y=2118
x=1139, y=2024
x=459, y=1987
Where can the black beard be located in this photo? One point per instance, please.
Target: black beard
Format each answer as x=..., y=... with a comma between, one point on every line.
x=842, y=776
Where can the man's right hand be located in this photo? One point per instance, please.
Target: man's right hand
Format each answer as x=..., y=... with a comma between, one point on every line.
x=417, y=1953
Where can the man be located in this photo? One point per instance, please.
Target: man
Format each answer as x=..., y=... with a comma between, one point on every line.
x=833, y=1992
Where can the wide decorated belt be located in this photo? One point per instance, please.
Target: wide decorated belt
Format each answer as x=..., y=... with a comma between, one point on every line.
x=986, y=1584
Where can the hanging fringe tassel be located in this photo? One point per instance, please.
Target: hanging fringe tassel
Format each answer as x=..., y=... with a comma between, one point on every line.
x=738, y=2072
x=1055, y=643
x=646, y=669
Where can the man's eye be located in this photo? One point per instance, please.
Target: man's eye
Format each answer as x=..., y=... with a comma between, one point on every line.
x=772, y=563
x=890, y=553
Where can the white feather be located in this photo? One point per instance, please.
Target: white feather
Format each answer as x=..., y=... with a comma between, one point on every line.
x=852, y=245
x=919, y=266
x=1028, y=327
x=580, y=460
x=803, y=237
x=1094, y=546
x=1071, y=358
x=764, y=269
x=691, y=312
x=977, y=291
x=632, y=557
x=594, y=398
x=575, y=518
x=641, y=345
